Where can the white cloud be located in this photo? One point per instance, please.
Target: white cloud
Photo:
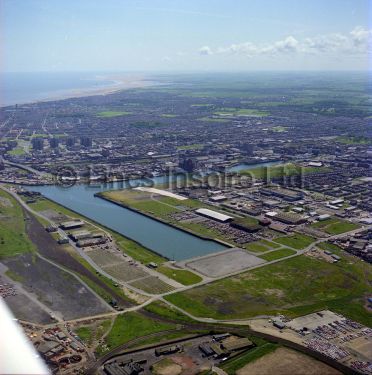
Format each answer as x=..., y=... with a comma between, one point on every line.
x=205, y=50
x=358, y=41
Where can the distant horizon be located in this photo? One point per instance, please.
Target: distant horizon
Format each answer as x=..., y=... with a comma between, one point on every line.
x=192, y=71
x=255, y=35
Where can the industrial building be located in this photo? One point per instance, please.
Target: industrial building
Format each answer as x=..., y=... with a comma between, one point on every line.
x=210, y=214
x=168, y=350
x=237, y=344
x=242, y=224
x=67, y=225
x=290, y=218
x=115, y=368
x=286, y=194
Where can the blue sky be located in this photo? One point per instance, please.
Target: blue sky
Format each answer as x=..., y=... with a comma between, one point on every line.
x=192, y=35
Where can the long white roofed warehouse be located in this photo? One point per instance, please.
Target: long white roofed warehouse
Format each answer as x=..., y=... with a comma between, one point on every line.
x=210, y=214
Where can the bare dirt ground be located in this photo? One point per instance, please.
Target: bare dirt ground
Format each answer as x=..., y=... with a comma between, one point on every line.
x=55, y=288
x=221, y=264
x=286, y=361
x=49, y=248
x=25, y=309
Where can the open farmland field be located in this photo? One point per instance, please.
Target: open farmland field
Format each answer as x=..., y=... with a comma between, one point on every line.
x=13, y=237
x=294, y=287
x=57, y=289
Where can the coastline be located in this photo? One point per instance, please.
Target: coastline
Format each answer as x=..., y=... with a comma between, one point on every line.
x=115, y=83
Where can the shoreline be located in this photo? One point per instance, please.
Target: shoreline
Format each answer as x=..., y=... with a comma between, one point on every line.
x=115, y=84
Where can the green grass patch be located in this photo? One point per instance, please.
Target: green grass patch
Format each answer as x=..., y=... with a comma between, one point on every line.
x=184, y=277
x=241, y=112
x=279, y=129
x=354, y=140
x=85, y=333
x=236, y=363
x=296, y=241
x=17, y=151
x=277, y=254
x=90, y=333
x=162, y=309
x=168, y=115
x=195, y=146
x=256, y=247
x=113, y=113
x=293, y=287
x=335, y=226
x=13, y=236
x=129, y=326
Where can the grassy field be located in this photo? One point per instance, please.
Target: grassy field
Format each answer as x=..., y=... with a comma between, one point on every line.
x=162, y=309
x=184, y=277
x=277, y=254
x=113, y=113
x=335, y=226
x=296, y=241
x=85, y=333
x=17, y=151
x=130, y=326
x=236, y=363
x=241, y=112
x=13, y=237
x=293, y=287
x=90, y=333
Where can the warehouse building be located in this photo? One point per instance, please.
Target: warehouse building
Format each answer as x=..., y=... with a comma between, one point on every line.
x=286, y=194
x=290, y=218
x=214, y=215
x=237, y=344
x=72, y=224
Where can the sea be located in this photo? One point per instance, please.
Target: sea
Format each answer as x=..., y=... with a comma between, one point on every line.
x=21, y=88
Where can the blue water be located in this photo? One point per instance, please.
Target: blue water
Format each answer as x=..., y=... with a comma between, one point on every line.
x=19, y=88
x=168, y=241
x=161, y=238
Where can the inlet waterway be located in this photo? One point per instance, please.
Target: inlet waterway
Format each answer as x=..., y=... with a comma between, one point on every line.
x=165, y=240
